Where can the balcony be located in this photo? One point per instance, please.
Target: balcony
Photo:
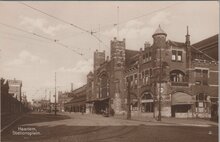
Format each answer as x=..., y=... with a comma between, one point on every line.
x=179, y=83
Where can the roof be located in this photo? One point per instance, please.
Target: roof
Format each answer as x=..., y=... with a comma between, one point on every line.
x=209, y=46
x=130, y=56
x=177, y=44
x=159, y=31
x=14, y=81
x=206, y=42
x=78, y=90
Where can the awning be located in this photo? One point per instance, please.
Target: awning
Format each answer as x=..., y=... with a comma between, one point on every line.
x=181, y=98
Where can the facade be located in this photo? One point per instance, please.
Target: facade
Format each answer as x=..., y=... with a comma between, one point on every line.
x=15, y=88
x=185, y=77
x=9, y=104
x=62, y=99
x=77, y=102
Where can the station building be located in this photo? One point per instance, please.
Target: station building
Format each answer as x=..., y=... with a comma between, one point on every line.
x=185, y=77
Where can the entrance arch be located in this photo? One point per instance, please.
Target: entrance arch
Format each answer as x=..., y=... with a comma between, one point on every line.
x=181, y=104
x=147, y=102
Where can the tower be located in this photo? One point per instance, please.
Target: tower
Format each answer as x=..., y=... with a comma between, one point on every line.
x=117, y=83
x=118, y=53
x=159, y=37
x=99, y=58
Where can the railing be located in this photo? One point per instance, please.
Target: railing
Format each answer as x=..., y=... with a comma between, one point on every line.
x=179, y=84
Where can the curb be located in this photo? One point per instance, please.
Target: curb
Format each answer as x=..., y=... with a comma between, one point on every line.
x=11, y=123
x=173, y=124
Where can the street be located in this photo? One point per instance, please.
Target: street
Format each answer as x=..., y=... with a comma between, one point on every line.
x=75, y=127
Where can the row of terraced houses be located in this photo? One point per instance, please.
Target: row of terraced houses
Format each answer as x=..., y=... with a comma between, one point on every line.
x=185, y=74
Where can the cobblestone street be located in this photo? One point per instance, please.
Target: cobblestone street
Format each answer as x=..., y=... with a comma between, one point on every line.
x=74, y=127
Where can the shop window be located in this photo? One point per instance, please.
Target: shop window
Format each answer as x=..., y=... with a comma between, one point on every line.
x=201, y=100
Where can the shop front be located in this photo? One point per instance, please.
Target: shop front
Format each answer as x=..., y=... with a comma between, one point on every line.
x=182, y=105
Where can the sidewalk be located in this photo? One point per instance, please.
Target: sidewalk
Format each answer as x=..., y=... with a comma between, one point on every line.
x=9, y=119
x=171, y=120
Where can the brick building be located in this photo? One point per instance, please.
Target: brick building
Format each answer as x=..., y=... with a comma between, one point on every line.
x=76, y=100
x=186, y=77
x=63, y=97
x=15, y=88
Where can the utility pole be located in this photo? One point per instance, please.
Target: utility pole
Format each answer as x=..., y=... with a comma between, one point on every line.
x=50, y=101
x=129, y=100
x=55, y=97
x=159, y=115
x=118, y=22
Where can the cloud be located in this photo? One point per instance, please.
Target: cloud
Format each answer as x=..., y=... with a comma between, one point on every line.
x=25, y=58
x=136, y=28
x=34, y=24
x=160, y=18
x=81, y=67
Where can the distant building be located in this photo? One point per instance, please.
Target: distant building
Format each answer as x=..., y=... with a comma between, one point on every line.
x=77, y=103
x=15, y=88
x=63, y=97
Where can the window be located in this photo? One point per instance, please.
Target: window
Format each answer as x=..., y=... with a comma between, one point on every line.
x=147, y=56
x=176, y=55
x=201, y=77
x=198, y=72
x=173, y=55
x=201, y=100
x=135, y=76
x=205, y=77
x=144, y=56
x=146, y=72
x=177, y=76
x=179, y=56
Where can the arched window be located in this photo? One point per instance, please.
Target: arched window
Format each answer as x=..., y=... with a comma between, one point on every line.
x=177, y=76
x=103, y=85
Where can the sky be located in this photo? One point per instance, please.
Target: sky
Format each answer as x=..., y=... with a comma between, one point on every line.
x=34, y=60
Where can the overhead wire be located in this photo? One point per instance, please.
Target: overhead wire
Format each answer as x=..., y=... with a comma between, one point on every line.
x=137, y=17
x=64, y=21
x=44, y=37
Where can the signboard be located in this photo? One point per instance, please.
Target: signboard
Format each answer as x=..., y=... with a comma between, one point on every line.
x=147, y=101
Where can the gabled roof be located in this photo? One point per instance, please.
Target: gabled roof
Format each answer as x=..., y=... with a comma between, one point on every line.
x=209, y=46
x=177, y=44
x=131, y=56
x=206, y=42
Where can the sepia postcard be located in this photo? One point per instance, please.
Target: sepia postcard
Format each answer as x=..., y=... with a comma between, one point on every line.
x=109, y=71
